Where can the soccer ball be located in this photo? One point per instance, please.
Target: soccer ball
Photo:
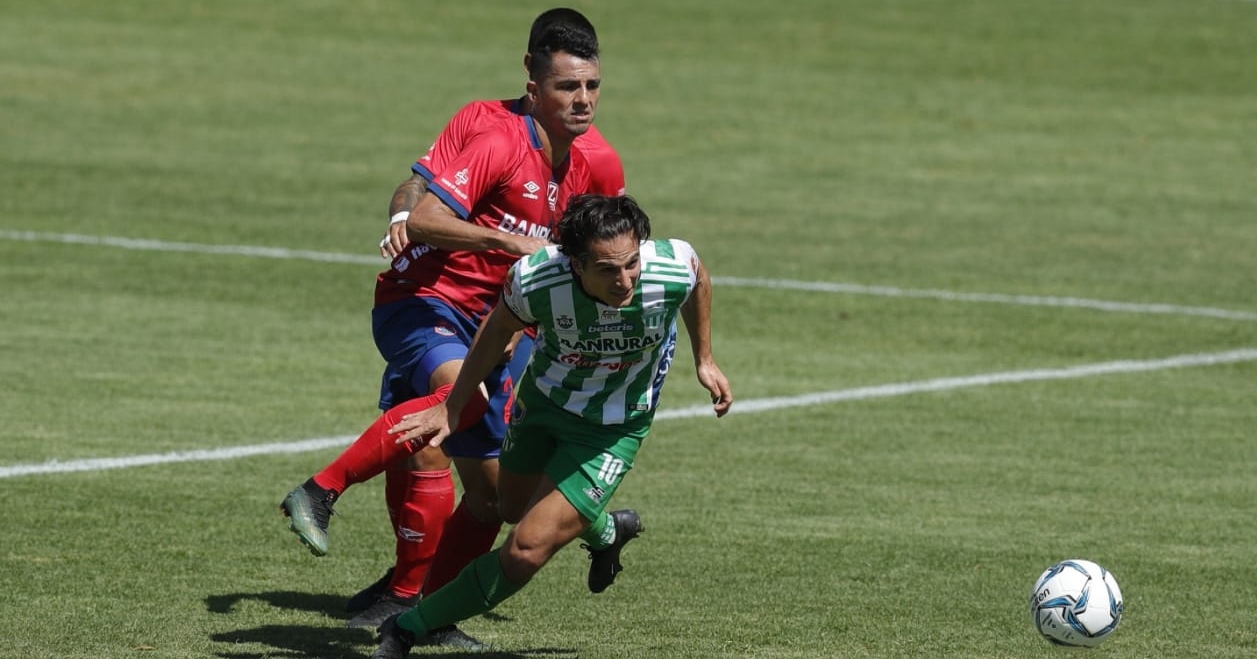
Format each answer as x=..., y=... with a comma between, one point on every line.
x=1076, y=603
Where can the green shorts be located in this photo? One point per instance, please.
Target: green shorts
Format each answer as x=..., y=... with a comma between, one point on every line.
x=585, y=460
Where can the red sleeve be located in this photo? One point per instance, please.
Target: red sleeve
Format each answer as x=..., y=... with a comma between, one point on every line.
x=474, y=172
x=606, y=170
x=462, y=127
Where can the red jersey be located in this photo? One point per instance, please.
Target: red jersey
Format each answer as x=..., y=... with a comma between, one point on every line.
x=502, y=181
x=607, y=172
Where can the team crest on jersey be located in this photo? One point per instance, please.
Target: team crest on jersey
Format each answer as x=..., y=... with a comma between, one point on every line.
x=530, y=190
x=565, y=322
x=653, y=314
x=552, y=194
x=461, y=177
x=444, y=329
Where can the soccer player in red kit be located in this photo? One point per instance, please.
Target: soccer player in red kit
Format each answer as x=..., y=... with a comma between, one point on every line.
x=417, y=490
x=497, y=199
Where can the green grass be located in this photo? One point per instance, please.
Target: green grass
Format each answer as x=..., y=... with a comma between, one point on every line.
x=1099, y=150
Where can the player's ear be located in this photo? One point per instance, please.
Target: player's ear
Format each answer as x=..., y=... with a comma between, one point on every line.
x=531, y=88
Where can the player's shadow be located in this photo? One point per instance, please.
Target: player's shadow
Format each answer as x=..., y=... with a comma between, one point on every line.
x=308, y=642
x=330, y=605
x=298, y=642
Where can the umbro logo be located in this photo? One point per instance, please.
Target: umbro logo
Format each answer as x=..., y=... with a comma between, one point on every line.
x=530, y=190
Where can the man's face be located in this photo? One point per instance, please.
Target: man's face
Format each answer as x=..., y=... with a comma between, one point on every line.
x=609, y=272
x=566, y=97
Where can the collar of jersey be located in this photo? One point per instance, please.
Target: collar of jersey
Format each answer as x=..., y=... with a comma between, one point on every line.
x=535, y=140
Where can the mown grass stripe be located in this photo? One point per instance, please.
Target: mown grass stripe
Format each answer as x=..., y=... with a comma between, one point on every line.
x=740, y=407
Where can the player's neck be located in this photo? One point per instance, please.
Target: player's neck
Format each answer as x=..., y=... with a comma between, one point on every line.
x=554, y=148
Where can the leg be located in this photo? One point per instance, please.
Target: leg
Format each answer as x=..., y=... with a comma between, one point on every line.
x=421, y=508
x=475, y=524
x=515, y=493
x=473, y=527
x=309, y=507
x=549, y=525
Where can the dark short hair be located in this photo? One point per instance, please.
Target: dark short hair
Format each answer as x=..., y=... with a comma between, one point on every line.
x=564, y=31
x=591, y=217
x=559, y=18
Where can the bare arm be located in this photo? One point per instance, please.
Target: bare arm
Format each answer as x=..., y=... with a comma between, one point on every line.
x=433, y=425
x=436, y=224
x=404, y=198
x=696, y=312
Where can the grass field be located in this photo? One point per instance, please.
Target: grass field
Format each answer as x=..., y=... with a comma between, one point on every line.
x=986, y=291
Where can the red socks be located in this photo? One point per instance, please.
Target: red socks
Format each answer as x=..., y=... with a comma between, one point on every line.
x=420, y=523
x=375, y=450
x=419, y=502
x=465, y=538
x=396, y=489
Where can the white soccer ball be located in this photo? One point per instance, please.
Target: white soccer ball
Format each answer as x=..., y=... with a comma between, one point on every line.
x=1076, y=603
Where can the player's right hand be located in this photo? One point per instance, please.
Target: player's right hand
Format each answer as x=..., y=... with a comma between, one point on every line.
x=528, y=245
x=429, y=427
x=394, y=241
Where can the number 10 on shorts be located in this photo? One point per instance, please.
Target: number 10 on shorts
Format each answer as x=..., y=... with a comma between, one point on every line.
x=611, y=470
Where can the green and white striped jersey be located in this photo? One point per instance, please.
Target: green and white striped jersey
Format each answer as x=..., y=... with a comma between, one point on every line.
x=604, y=363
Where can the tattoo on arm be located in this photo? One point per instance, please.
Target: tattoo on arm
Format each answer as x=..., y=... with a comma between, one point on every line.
x=407, y=194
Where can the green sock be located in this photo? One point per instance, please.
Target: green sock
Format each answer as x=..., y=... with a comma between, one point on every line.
x=477, y=589
x=601, y=532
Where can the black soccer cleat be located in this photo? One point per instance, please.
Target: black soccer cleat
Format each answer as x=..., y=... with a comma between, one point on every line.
x=395, y=641
x=365, y=598
x=385, y=606
x=604, y=564
x=453, y=637
x=308, y=509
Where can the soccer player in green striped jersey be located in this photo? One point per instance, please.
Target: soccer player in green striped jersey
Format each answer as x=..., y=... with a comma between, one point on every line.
x=605, y=302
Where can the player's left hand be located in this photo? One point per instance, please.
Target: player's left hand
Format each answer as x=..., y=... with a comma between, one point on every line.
x=715, y=382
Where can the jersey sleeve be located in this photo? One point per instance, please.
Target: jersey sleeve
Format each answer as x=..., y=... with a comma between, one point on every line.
x=513, y=296
x=606, y=175
x=606, y=170
x=475, y=171
x=457, y=132
x=685, y=253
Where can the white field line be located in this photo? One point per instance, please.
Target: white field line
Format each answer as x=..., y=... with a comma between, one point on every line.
x=741, y=407
x=781, y=284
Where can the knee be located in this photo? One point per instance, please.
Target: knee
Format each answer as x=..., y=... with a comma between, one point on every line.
x=428, y=459
x=522, y=559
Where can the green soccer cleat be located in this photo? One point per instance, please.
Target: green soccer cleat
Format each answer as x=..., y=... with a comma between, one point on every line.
x=308, y=508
